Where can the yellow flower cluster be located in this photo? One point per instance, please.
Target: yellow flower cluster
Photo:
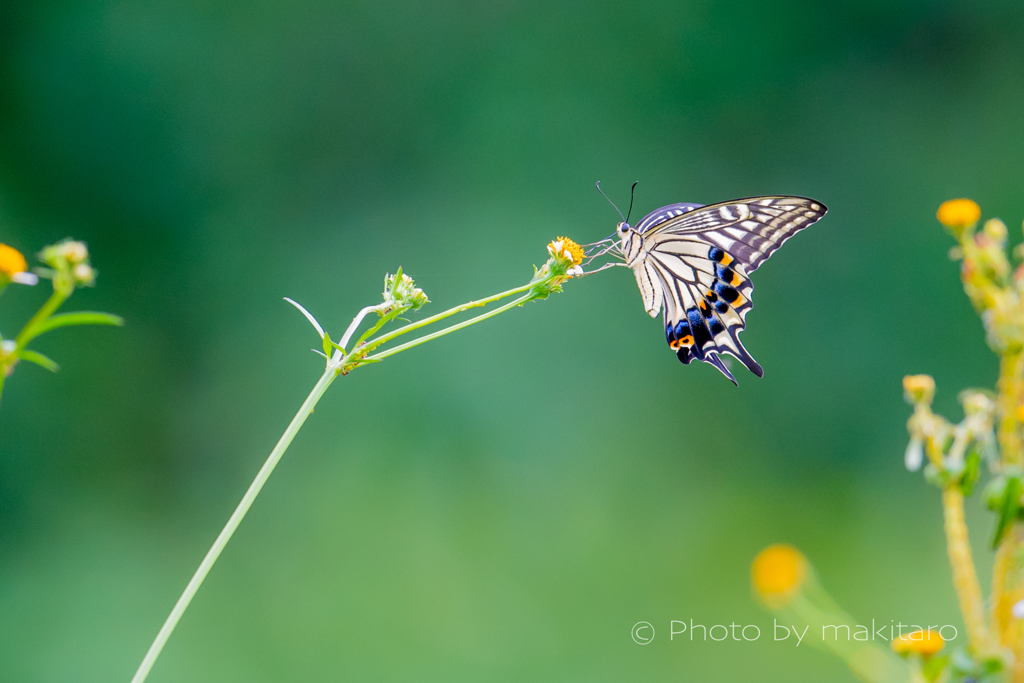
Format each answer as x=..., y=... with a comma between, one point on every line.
x=563, y=247
x=995, y=290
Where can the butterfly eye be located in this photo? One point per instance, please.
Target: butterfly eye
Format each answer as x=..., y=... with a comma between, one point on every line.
x=623, y=227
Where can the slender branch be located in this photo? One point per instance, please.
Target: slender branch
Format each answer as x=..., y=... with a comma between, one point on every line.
x=28, y=332
x=447, y=314
x=338, y=364
x=454, y=328
x=1007, y=571
x=236, y=518
x=1011, y=388
x=965, y=578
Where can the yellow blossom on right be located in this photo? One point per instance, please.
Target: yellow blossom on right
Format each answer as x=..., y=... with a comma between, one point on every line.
x=958, y=213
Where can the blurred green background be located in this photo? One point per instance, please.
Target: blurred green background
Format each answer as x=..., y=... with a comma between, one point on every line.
x=503, y=504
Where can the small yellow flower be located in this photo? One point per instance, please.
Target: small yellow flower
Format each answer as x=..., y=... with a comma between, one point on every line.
x=563, y=247
x=778, y=573
x=11, y=261
x=924, y=643
x=958, y=213
x=918, y=388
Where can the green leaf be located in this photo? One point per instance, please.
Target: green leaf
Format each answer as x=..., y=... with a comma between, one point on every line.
x=39, y=359
x=77, y=318
x=1008, y=509
x=933, y=667
x=328, y=345
x=972, y=471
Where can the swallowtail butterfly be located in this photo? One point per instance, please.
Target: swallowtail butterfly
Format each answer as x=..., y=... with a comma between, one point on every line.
x=693, y=263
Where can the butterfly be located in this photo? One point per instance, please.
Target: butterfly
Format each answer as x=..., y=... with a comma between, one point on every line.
x=693, y=263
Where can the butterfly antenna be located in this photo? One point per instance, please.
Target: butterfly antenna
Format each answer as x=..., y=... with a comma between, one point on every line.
x=598, y=184
x=631, y=190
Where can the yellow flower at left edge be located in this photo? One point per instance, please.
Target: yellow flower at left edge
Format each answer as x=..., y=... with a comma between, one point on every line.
x=13, y=267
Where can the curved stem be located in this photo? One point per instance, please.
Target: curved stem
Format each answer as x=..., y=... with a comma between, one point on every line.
x=355, y=325
x=27, y=333
x=236, y=518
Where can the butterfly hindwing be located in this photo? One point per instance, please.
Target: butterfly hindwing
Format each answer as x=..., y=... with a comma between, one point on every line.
x=705, y=307
x=696, y=264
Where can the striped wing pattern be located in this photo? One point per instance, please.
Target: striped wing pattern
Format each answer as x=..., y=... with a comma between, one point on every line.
x=696, y=265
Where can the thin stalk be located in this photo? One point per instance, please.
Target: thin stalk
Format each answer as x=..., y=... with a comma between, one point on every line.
x=1008, y=570
x=27, y=333
x=965, y=577
x=454, y=328
x=335, y=366
x=450, y=312
x=236, y=518
x=1011, y=388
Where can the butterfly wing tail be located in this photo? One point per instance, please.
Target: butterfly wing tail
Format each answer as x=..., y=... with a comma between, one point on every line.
x=713, y=359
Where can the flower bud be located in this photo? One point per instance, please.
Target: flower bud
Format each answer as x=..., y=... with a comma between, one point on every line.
x=976, y=402
x=918, y=388
x=85, y=275
x=996, y=230
x=400, y=292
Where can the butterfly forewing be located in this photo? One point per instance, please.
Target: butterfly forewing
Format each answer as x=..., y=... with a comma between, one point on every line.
x=695, y=262
x=749, y=229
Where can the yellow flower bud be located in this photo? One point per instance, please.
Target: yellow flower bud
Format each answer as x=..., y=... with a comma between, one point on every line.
x=11, y=261
x=995, y=229
x=918, y=388
x=924, y=643
x=958, y=213
x=778, y=573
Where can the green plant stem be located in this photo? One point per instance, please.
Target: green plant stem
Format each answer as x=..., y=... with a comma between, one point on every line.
x=454, y=328
x=236, y=518
x=1008, y=569
x=336, y=365
x=1011, y=379
x=27, y=333
x=965, y=577
x=450, y=312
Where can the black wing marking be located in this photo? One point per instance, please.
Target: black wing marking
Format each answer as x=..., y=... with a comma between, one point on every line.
x=706, y=298
x=750, y=230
